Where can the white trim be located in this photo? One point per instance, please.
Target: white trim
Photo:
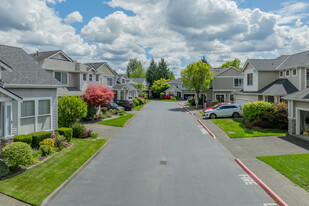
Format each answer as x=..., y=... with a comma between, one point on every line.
x=6, y=135
x=5, y=66
x=83, y=77
x=238, y=78
x=299, y=79
x=31, y=86
x=66, y=56
x=298, y=109
x=223, y=90
x=110, y=68
x=54, y=72
x=288, y=70
x=245, y=65
x=294, y=75
x=225, y=77
x=12, y=95
x=280, y=73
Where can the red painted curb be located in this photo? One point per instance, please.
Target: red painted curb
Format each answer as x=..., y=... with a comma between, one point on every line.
x=185, y=109
x=208, y=130
x=262, y=184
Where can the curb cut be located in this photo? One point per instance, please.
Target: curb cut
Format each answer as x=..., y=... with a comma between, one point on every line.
x=262, y=184
x=208, y=130
x=185, y=109
x=60, y=187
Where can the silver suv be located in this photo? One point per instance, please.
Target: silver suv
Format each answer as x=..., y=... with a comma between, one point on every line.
x=227, y=110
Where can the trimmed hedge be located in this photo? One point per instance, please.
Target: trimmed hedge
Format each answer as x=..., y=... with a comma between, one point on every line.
x=140, y=100
x=253, y=111
x=4, y=169
x=23, y=138
x=67, y=132
x=136, y=102
x=38, y=137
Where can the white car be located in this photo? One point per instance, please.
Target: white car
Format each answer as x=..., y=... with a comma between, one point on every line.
x=230, y=110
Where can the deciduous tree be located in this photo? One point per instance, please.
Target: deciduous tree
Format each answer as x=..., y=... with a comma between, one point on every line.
x=132, y=65
x=97, y=95
x=235, y=63
x=160, y=86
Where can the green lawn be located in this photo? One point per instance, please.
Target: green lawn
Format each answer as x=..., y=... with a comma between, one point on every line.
x=169, y=100
x=295, y=167
x=117, y=122
x=190, y=105
x=34, y=185
x=235, y=129
x=137, y=108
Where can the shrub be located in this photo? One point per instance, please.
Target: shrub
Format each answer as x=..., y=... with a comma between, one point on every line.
x=136, y=102
x=86, y=133
x=280, y=114
x=162, y=95
x=67, y=132
x=173, y=98
x=114, y=111
x=17, y=154
x=77, y=129
x=46, y=150
x=70, y=108
x=60, y=141
x=109, y=114
x=102, y=116
x=23, y=138
x=144, y=95
x=140, y=100
x=191, y=101
x=121, y=112
x=94, y=135
x=48, y=141
x=168, y=96
x=91, y=111
x=4, y=169
x=253, y=111
x=104, y=109
x=38, y=137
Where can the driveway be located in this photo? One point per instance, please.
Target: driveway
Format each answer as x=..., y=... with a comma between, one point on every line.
x=162, y=158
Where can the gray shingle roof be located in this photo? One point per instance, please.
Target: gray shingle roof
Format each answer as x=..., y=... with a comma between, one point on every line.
x=217, y=71
x=302, y=94
x=177, y=81
x=267, y=64
x=295, y=60
x=39, y=56
x=95, y=65
x=121, y=86
x=139, y=80
x=25, y=70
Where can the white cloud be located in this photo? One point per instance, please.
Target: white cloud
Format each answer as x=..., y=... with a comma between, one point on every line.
x=53, y=2
x=298, y=22
x=73, y=17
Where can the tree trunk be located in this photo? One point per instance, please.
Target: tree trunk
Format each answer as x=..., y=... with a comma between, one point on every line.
x=196, y=100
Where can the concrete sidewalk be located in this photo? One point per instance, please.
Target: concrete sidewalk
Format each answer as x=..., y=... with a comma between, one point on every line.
x=247, y=149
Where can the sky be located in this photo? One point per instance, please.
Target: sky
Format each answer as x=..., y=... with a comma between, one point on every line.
x=181, y=31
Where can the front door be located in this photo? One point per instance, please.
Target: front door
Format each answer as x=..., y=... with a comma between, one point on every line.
x=220, y=97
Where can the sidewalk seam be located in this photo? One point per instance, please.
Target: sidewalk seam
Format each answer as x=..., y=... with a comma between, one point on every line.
x=60, y=187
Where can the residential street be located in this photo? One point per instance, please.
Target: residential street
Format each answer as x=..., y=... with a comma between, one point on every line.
x=163, y=157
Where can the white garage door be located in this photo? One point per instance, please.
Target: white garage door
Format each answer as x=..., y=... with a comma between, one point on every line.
x=241, y=102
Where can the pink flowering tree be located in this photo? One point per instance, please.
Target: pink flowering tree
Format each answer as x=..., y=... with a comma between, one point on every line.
x=97, y=95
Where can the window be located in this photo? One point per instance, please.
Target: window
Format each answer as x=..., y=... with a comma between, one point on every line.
x=109, y=81
x=33, y=119
x=62, y=77
x=220, y=97
x=232, y=97
x=238, y=82
x=101, y=81
x=250, y=79
x=287, y=73
x=123, y=81
x=84, y=77
x=90, y=77
x=294, y=72
x=281, y=74
x=96, y=78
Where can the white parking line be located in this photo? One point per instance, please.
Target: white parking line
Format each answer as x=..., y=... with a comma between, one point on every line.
x=204, y=131
x=247, y=179
x=270, y=204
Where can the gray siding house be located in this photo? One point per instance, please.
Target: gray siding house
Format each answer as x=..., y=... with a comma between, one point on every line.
x=28, y=95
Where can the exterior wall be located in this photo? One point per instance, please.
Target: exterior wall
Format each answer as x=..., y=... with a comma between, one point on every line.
x=14, y=118
x=303, y=78
x=248, y=97
x=58, y=65
x=255, y=86
x=231, y=73
x=105, y=70
x=72, y=81
x=293, y=79
x=265, y=78
x=38, y=93
x=223, y=83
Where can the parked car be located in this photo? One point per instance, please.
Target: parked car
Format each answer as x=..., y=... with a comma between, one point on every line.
x=127, y=104
x=217, y=105
x=226, y=110
x=113, y=105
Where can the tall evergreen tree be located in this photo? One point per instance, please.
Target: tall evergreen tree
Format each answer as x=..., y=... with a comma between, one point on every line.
x=151, y=72
x=163, y=71
x=132, y=65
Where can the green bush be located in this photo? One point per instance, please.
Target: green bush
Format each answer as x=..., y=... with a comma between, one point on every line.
x=60, y=141
x=140, y=100
x=91, y=111
x=94, y=135
x=4, y=169
x=38, y=137
x=46, y=150
x=121, y=112
x=67, y=132
x=114, y=111
x=191, y=101
x=70, y=108
x=23, y=138
x=17, y=154
x=253, y=111
x=86, y=133
x=109, y=114
x=162, y=95
x=77, y=129
x=136, y=102
x=173, y=98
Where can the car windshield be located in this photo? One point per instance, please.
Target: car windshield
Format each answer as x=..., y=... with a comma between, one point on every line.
x=114, y=104
x=216, y=106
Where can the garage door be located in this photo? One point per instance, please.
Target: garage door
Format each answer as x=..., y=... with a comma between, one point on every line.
x=241, y=102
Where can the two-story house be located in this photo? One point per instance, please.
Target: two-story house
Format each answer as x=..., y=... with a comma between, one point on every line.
x=177, y=89
x=125, y=88
x=28, y=101
x=74, y=76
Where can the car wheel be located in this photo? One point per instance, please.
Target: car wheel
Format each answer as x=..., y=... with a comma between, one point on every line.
x=235, y=115
x=213, y=116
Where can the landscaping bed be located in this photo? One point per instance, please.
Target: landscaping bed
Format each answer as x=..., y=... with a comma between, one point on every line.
x=35, y=184
x=117, y=122
x=234, y=128
x=294, y=166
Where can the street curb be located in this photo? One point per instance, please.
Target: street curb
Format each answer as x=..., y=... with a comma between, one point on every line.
x=58, y=189
x=262, y=184
x=185, y=108
x=208, y=130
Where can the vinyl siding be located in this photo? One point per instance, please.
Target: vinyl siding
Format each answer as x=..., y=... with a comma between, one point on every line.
x=54, y=64
x=15, y=118
x=223, y=83
x=105, y=70
x=265, y=78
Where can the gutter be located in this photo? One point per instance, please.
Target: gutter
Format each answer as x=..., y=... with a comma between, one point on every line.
x=38, y=86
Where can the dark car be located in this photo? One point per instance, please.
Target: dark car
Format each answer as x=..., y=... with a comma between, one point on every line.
x=113, y=105
x=127, y=104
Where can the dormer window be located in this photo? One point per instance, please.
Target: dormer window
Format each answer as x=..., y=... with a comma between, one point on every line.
x=62, y=77
x=287, y=73
x=281, y=74
x=90, y=77
x=294, y=73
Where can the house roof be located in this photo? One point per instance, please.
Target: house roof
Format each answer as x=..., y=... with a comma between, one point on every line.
x=177, y=81
x=10, y=94
x=279, y=87
x=295, y=60
x=139, y=80
x=25, y=71
x=69, y=91
x=39, y=56
x=95, y=65
x=173, y=88
x=130, y=87
x=218, y=71
x=300, y=95
x=267, y=64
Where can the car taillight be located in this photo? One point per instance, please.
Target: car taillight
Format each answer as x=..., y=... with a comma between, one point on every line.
x=240, y=108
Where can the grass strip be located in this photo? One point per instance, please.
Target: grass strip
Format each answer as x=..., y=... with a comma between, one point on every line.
x=294, y=166
x=117, y=122
x=234, y=128
x=34, y=185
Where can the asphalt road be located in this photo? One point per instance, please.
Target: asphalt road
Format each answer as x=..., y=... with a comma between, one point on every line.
x=163, y=158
